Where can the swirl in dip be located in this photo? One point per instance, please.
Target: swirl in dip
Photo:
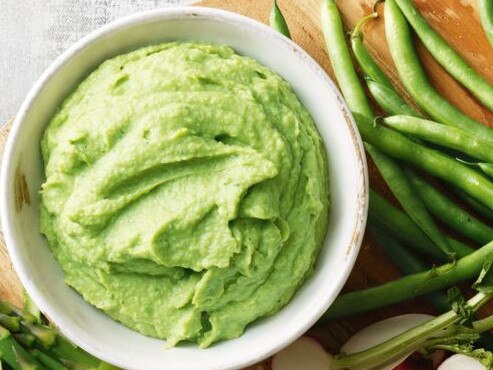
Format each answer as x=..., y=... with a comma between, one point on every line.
x=186, y=191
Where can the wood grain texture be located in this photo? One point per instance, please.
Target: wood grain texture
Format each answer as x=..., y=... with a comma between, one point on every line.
x=10, y=286
x=458, y=22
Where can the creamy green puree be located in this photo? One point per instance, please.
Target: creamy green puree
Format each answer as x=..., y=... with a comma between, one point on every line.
x=186, y=191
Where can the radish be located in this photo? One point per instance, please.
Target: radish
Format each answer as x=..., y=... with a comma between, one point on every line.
x=461, y=362
x=381, y=332
x=304, y=353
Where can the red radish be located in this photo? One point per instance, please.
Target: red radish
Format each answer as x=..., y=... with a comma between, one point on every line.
x=304, y=353
x=461, y=362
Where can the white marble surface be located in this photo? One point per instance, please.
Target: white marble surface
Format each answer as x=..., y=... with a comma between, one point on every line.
x=34, y=32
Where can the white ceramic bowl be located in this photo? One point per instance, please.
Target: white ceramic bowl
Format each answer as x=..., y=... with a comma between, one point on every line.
x=40, y=273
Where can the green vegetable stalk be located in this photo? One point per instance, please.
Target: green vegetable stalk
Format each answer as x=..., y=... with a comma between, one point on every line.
x=410, y=286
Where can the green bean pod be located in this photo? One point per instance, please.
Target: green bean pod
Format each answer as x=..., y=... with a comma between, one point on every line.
x=486, y=11
x=410, y=286
x=487, y=168
x=14, y=354
x=415, y=80
x=406, y=195
x=390, y=101
x=408, y=264
x=384, y=215
x=278, y=22
x=476, y=206
x=378, y=83
x=446, y=56
x=432, y=161
x=341, y=62
x=449, y=212
x=446, y=136
x=365, y=60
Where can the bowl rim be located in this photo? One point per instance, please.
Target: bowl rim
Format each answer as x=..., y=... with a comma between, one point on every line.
x=358, y=226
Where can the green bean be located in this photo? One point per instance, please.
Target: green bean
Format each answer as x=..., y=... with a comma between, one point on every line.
x=446, y=56
x=13, y=354
x=434, y=162
x=405, y=194
x=395, y=221
x=48, y=361
x=486, y=11
x=415, y=80
x=10, y=323
x=378, y=82
x=278, y=22
x=410, y=286
x=398, y=224
x=340, y=58
x=365, y=60
x=26, y=340
x=408, y=264
x=487, y=168
x=449, y=212
x=478, y=207
x=460, y=249
x=446, y=136
x=389, y=100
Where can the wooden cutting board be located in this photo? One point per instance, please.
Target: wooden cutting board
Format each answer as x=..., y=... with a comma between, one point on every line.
x=456, y=20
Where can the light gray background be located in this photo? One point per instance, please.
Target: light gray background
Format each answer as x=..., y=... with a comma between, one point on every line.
x=34, y=32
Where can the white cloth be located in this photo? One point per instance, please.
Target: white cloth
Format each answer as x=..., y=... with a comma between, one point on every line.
x=34, y=32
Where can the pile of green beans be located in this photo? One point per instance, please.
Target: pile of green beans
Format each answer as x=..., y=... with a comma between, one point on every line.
x=415, y=80
x=409, y=139
x=442, y=52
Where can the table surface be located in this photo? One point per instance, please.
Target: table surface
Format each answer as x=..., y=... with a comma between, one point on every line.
x=33, y=33
x=46, y=30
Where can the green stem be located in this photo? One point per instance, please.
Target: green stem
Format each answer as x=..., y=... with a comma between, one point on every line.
x=44, y=335
x=9, y=309
x=365, y=60
x=405, y=343
x=14, y=355
x=48, y=361
x=66, y=351
x=31, y=308
x=10, y=323
x=410, y=286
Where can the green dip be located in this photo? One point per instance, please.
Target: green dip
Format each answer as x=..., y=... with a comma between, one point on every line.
x=186, y=191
